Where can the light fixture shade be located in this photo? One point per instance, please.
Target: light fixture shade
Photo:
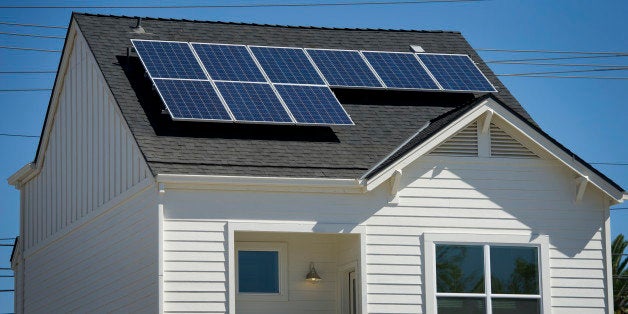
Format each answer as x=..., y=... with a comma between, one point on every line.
x=313, y=276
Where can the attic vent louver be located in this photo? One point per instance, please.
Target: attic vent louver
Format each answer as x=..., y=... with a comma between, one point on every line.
x=417, y=48
x=463, y=143
x=504, y=145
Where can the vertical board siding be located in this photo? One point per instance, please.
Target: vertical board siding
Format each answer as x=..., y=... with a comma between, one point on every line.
x=195, y=266
x=90, y=158
x=450, y=196
x=115, y=269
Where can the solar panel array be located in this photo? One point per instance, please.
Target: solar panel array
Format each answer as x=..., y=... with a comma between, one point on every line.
x=226, y=82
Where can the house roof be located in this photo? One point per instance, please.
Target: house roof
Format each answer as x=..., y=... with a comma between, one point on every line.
x=383, y=119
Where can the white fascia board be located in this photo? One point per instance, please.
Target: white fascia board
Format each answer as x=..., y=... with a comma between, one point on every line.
x=21, y=177
x=260, y=183
x=18, y=177
x=515, y=122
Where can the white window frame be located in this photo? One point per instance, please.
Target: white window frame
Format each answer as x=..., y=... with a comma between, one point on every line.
x=541, y=242
x=282, y=250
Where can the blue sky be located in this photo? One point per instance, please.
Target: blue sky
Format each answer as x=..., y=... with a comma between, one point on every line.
x=588, y=116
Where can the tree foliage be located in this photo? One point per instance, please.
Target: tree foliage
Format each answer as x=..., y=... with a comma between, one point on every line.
x=620, y=274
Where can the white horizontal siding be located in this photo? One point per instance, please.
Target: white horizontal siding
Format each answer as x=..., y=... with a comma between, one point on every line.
x=454, y=196
x=107, y=265
x=90, y=157
x=195, y=266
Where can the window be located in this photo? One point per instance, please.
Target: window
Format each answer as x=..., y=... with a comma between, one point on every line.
x=261, y=270
x=471, y=276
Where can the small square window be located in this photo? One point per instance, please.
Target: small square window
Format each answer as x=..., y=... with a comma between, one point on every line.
x=261, y=271
x=258, y=271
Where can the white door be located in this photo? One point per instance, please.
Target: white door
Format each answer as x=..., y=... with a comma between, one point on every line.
x=352, y=297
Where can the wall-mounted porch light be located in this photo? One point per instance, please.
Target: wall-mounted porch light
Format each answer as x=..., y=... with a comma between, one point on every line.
x=312, y=276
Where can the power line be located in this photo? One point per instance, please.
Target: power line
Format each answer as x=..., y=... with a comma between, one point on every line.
x=554, y=51
x=565, y=76
x=32, y=25
x=558, y=64
x=558, y=58
x=6, y=239
x=610, y=163
x=619, y=208
x=25, y=90
x=570, y=71
x=27, y=72
x=18, y=135
x=227, y=6
x=6, y=244
x=30, y=49
x=31, y=35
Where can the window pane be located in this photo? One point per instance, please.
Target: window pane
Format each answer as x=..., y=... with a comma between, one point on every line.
x=519, y=306
x=460, y=305
x=258, y=271
x=514, y=270
x=459, y=268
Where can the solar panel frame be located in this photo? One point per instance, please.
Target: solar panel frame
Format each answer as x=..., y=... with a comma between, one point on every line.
x=133, y=41
x=275, y=92
x=317, y=123
x=461, y=55
x=438, y=86
x=176, y=118
x=311, y=62
x=257, y=65
x=368, y=65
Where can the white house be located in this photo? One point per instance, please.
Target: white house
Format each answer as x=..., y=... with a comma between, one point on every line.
x=429, y=201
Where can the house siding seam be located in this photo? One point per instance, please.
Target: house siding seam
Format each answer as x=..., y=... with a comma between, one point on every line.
x=439, y=195
x=90, y=157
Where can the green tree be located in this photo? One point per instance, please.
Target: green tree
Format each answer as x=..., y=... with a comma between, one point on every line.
x=620, y=274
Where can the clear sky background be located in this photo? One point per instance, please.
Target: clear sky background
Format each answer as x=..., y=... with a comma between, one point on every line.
x=589, y=116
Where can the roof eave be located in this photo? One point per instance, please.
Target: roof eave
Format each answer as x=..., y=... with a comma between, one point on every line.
x=483, y=104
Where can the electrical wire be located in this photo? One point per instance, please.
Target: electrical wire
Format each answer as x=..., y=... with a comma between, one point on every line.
x=18, y=135
x=27, y=72
x=571, y=71
x=559, y=64
x=31, y=35
x=564, y=76
x=30, y=49
x=7, y=239
x=610, y=163
x=229, y=6
x=25, y=90
x=558, y=58
x=32, y=25
x=554, y=51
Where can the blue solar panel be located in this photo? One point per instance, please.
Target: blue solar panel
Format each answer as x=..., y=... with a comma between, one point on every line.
x=313, y=104
x=456, y=72
x=400, y=70
x=344, y=68
x=228, y=62
x=253, y=102
x=191, y=100
x=287, y=65
x=164, y=59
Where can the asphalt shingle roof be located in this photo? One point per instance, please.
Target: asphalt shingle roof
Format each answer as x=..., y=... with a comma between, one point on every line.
x=383, y=119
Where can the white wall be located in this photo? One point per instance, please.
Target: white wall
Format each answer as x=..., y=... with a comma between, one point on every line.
x=89, y=216
x=90, y=157
x=439, y=194
x=108, y=264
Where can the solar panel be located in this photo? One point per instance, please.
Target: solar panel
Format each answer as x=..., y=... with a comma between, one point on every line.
x=400, y=70
x=313, y=104
x=344, y=68
x=228, y=62
x=167, y=59
x=253, y=102
x=456, y=72
x=193, y=100
x=287, y=65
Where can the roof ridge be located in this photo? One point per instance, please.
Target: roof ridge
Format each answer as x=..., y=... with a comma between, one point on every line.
x=266, y=25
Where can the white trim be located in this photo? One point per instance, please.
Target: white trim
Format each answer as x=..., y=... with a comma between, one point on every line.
x=486, y=240
x=282, y=250
x=511, y=120
x=311, y=185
